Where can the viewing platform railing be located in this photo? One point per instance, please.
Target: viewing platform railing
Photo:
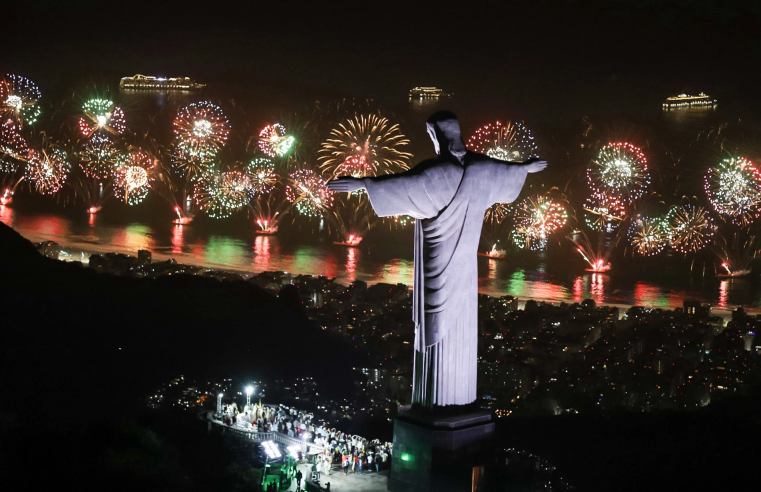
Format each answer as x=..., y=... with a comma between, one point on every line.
x=306, y=447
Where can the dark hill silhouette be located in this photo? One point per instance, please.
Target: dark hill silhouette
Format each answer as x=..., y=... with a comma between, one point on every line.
x=76, y=337
x=713, y=448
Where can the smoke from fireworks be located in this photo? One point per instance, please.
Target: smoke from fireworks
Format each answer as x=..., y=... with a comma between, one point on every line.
x=734, y=189
x=508, y=142
x=690, y=228
x=308, y=193
x=19, y=97
x=366, y=145
x=48, y=170
x=133, y=178
x=620, y=170
x=648, y=235
x=102, y=114
x=202, y=129
x=274, y=141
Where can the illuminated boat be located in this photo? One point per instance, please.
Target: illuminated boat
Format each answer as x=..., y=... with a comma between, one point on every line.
x=685, y=100
x=352, y=240
x=599, y=266
x=735, y=274
x=494, y=253
x=424, y=92
x=145, y=82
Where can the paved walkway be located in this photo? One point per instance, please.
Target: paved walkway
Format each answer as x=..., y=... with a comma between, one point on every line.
x=353, y=482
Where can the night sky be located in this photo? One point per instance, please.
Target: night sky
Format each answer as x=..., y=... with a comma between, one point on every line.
x=381, y=49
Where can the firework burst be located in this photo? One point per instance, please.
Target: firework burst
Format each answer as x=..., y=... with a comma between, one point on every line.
x=19, y=97
x=597, y=255
x=202, y=129
x=14, y=151
x=604, y=212
x=352, y=218
x=508, y=142
x=134, y=177
x=648, y=235
x=497, y=213
x=737, y=254
x=308, y=193
x=189, y=165
x=734, y=189
x=536, y=218
x=262, y=176
x=620, y=171
x=220, y=194
x=274, y=141
x=99, y=157
x=690, y=228
x=365, y=145
x=48, y=170
x=102, y=114
x=268, y=210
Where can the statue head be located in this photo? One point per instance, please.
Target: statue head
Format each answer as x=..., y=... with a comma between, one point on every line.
x=444, y=130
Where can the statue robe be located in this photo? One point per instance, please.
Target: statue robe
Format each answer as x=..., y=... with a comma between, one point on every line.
x=448, y=201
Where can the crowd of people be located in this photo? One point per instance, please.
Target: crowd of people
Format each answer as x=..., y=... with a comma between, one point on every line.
x=352, y=453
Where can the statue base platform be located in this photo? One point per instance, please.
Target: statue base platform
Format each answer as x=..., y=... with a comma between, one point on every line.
x=441, y=452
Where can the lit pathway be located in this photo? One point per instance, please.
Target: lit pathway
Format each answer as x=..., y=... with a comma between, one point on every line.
x=353, y=482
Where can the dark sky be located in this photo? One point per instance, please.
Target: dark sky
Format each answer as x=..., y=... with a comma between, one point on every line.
x=370, y=48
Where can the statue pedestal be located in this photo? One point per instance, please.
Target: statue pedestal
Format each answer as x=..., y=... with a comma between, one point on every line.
x=441, y=453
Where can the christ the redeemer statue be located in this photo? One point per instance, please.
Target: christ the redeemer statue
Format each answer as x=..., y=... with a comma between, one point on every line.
x=447, y=195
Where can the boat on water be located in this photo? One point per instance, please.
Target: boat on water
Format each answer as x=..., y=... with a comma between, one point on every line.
x=599, y=267
x=736, y=274
x=425, y=92
x=686, y=100
x=352, y=240
x=494, y=253
x=147, y=82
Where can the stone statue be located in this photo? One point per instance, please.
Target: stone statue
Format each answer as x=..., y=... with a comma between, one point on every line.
x=447, y=195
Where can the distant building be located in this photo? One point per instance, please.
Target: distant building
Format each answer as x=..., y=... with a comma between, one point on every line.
x=144, y=257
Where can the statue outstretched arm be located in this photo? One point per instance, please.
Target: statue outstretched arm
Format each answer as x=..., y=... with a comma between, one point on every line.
x=393, y=194
x=535, y=165
x=347, y=184
x=505, y=179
